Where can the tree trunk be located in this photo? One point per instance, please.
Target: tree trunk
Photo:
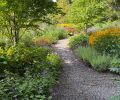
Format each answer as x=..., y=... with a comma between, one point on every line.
x=16, y=36
x=16, y=30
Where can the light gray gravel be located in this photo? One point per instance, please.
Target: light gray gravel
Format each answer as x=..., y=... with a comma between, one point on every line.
x=79, y=82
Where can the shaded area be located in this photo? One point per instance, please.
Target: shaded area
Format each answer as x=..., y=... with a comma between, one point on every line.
x=79, y=82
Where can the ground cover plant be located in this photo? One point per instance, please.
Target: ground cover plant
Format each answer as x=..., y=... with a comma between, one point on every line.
x=28, y=72
x=97, y=61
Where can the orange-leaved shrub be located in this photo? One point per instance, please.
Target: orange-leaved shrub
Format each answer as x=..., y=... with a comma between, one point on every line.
x=106, y=41
x=44, y=40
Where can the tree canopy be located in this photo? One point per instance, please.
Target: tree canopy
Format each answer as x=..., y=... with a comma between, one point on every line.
x=86, y=13
x=18, y=14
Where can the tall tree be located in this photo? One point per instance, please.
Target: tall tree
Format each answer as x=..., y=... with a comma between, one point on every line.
x=87, y=13
x=18, y=14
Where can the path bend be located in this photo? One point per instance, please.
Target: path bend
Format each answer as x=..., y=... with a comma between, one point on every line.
x=79, y=82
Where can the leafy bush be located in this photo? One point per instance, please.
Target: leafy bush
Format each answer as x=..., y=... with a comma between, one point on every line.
x=78, y=40
x=86, y=14
x=17, y=59
x=44, y=40
x=27, y=39
x=49, y=36
x=58, y=33
x=30, y=73
x=115, y=65
x=97, y=61
x=115, y=98
x=106, y=41
x=27, y=88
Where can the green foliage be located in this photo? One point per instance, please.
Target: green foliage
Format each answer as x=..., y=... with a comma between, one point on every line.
x=107, y=41
x=27, y=39
x=16, y=15
x=115, y=65
x=50, y=35
x=17, y=59
x=86, y=13
x=108, y=44
x=78, y=40
x=30, y=72
x=115, y=98
x=98, y=62
x=64, y=5
x=58, y=33
x=29, y=87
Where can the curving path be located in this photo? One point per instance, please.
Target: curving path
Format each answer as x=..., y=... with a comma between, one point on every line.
x=79, y=82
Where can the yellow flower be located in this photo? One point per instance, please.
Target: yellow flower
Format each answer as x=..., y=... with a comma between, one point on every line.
x=1, y=51
x=10, y=51
x=95, y=36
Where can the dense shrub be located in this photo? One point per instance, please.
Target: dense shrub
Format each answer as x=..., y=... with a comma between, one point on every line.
x=49, y=36
x=97, y=61
x=56, y=32
x=78, y=40
x=106, y=41
x=115, y=65
x=30, y=87
x=17, y=59
x=27, y=39
x=44, y=40
x=30, y=73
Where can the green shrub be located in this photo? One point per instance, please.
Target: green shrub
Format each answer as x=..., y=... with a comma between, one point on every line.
x=54, y=61
x=30, y=87
x=50, y=35
x=97, y=61
x=30, y=73
x=115, y=65
x=54, y=31
x=115, y=98
x=106, y=41
x=78, y=40
x=44, y=40
x=27, y=39
x=17, y=59
x=100, y=62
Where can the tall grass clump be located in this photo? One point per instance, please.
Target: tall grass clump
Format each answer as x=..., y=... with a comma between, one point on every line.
x=97, y=61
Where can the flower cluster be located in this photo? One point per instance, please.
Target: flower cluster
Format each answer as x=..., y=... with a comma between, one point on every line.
x=66, y=25
x=115, y=32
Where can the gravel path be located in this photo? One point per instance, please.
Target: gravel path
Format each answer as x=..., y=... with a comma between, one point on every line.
x=79, y=82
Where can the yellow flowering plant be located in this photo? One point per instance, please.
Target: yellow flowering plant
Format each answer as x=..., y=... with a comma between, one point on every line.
x=106, y=41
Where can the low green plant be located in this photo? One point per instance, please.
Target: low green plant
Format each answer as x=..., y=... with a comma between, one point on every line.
x=28, y=87
x=97, y=61
x=49, y=35
x=78, y=40
x=17, y=59
x=115, y=65
x=27, y=39
x=100, y=62
x=30, y=73
x=115, y=98
x=54, y=31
